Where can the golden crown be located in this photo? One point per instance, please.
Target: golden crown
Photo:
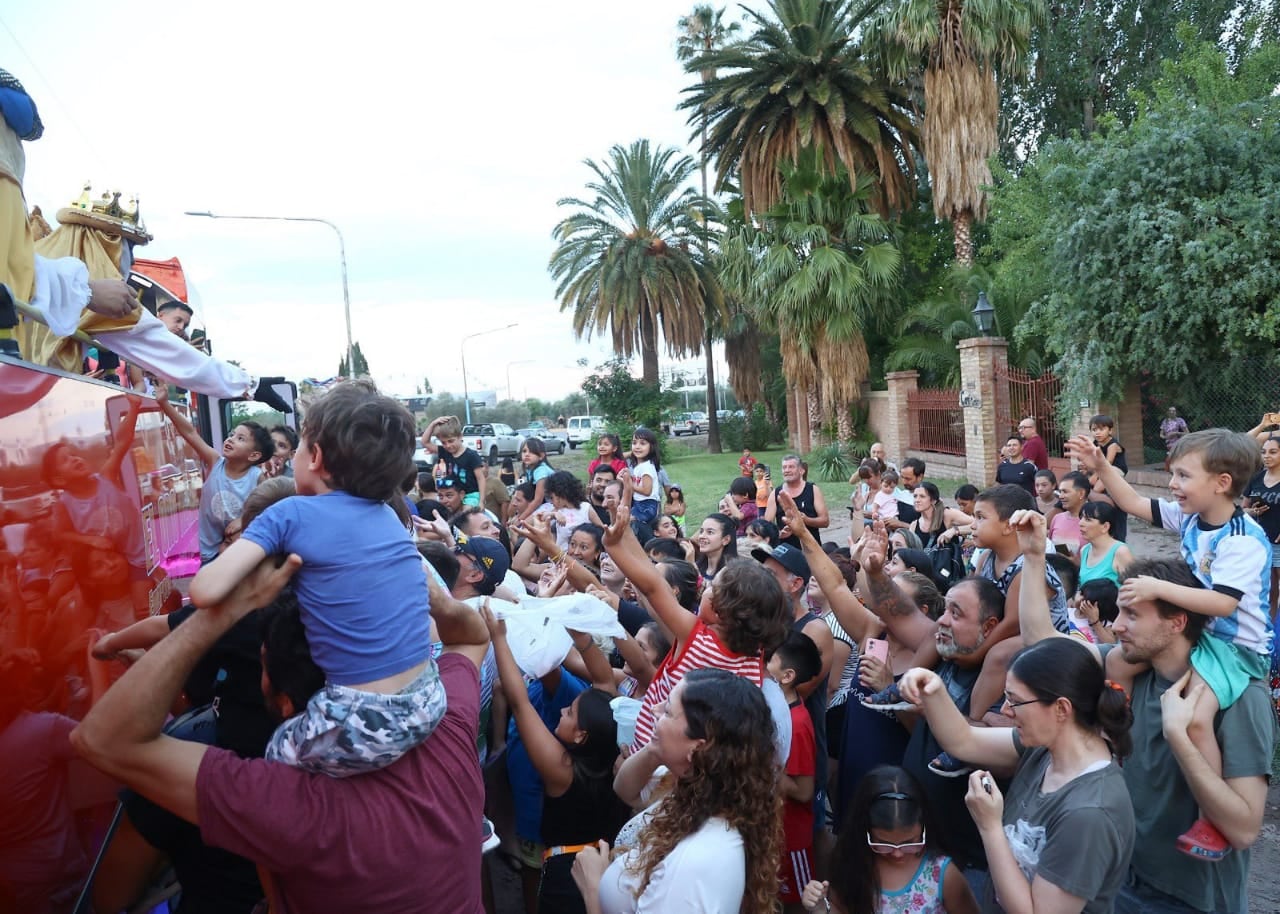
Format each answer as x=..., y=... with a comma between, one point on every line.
x=107, y=207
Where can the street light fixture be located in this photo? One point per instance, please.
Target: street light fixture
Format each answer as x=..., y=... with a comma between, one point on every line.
x=509, y=364
x=342, y=255
x=462, y=350
x=984, y=315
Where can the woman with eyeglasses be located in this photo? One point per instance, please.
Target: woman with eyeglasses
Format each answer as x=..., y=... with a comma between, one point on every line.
x=1060, y=840
x=887, y=861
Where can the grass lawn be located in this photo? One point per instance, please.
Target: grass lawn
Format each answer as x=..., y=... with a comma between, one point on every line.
x=705, y=477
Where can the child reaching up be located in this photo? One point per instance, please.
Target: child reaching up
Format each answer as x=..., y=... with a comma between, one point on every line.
x=886, y=861
x=574, y=761
x=361, y=588
x=743, y=614
x=1230, y=554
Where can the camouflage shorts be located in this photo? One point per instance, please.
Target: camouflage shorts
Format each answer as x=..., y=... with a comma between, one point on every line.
x=344, y=731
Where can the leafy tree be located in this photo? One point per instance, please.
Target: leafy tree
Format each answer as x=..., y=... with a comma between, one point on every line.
x=361, y=363
x=959, y=45
x=623, y=260
x=1090, y=58
x=702, y=32
x=801, y=82
x=1156, y=242
x=625, y=401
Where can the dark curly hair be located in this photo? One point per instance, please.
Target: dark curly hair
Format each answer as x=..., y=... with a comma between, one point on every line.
x=754, y=612
x=567, y=486
x=733, y=775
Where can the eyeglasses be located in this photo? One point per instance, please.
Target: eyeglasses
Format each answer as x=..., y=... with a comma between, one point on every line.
x=1015, y=705
x=907, y=847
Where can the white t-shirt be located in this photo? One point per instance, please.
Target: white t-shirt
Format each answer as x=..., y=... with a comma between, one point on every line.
x=706, y=873
x=645, y=468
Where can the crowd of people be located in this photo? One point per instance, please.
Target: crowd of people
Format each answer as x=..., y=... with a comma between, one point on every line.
x=421, y=678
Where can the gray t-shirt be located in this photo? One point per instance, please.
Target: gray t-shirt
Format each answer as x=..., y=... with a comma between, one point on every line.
x=1079, y=837
x=1165, y=806
x=221, y=500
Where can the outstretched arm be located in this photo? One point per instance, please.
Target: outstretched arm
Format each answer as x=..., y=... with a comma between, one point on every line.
x=547, y=753
x=216, y=580
x=1095, y=461
x=991, y=747
x=628, y=555
x=902, y=617
x=208, y=456
x=123, y=439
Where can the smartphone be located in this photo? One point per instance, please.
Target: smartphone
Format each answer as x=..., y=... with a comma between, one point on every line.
x=878, y=648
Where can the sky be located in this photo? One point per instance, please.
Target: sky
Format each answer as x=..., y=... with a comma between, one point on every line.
x=437, y=137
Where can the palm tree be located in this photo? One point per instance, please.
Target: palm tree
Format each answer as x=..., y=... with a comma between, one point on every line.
x=818, y=268
x=960, y=45
x=623, y=259
x=929, y=331
x=701, y=32
x=801, y=82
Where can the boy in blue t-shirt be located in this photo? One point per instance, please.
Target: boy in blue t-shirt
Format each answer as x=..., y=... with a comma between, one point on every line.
x=1230, y=554
x=361, y=587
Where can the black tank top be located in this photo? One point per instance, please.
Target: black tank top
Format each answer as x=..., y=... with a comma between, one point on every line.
x=576, y=816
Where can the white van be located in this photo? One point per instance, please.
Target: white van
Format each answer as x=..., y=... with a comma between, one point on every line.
x=581, y=429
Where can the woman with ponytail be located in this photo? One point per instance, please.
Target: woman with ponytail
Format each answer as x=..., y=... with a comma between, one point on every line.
x=1060, y=841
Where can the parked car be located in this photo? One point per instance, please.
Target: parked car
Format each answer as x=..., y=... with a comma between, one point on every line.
x=688, y=424
x=581, y=429
x=492, y=441
x=555, y=442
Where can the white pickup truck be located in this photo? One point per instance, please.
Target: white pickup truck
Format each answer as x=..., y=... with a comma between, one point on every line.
x=492, y=441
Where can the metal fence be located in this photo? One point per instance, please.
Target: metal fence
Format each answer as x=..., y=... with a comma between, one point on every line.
x=936, y=421
x=1230, y=394
x=1030, y=396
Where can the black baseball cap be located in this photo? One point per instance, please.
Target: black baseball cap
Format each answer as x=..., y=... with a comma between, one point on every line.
x=490, y=557
x=789, y=557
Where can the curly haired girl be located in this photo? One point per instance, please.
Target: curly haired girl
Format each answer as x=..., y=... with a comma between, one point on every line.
x=714, y=842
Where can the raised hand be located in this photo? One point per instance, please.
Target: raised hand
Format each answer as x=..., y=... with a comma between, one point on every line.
x=497, y=627
x=619, y=528
x=791, y=514
x=1030, y=527
x=1085, y=449
x=875, y=547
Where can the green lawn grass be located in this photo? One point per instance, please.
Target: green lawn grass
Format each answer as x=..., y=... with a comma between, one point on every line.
x=705, y=477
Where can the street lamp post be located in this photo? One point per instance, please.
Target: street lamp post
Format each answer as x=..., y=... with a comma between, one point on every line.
x=342, y=256
x=462, y=351
x=509, y=364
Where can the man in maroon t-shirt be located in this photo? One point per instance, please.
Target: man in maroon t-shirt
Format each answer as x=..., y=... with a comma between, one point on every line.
x=1033, y=448
x=404, y=838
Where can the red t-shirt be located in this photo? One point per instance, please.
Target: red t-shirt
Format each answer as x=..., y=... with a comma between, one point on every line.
x=405, y=838
x=703, y=651
x=746, y=465
x=617, y=463
x=1033, y=449
x=797, y=818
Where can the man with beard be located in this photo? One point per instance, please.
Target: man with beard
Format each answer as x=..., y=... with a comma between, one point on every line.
x=974, y=607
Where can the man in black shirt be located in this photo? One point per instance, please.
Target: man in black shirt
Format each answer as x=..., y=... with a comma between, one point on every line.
x=1016, y=469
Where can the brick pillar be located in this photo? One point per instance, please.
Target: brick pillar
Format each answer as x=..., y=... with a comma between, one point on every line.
x=981, y=398
x=1129, y=424
x=897, y=430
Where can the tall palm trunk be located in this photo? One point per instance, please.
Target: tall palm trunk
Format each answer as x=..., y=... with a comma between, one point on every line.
x=962, y=225
x=648, y=347
x=814, y=404
x=844, y=422
x=796, y=435
x=713, y=403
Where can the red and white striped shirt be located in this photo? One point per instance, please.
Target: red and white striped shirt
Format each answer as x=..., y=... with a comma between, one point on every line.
x=703, y=651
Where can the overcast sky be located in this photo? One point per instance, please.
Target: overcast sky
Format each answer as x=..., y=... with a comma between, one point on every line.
x=438, y=137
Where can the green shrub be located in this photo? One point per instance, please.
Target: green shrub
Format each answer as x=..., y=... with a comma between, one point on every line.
x=831, y=463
